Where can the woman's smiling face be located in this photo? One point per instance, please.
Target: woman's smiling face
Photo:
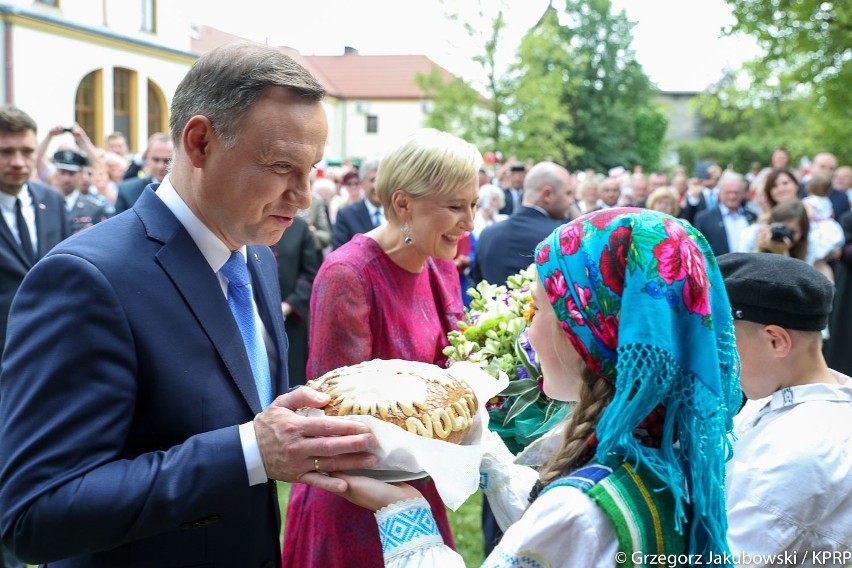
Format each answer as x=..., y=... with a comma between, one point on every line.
x=439, y=220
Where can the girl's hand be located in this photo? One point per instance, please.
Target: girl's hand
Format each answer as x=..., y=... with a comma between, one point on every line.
x=373, y=494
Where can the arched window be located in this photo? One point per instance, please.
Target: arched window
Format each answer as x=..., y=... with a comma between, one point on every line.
x=124, y=103
x=157, y=120
x=87, y=106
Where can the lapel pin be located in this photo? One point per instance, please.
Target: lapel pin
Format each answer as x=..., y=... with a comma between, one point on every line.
x=257, y=258
x=42, y=207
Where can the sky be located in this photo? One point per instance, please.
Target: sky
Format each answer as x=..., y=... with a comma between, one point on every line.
x=679, y=43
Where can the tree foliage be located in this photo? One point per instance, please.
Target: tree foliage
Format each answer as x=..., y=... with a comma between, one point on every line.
x=574, y=94
x=808, y=58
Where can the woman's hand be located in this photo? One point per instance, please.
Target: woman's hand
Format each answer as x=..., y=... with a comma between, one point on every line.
x=373, y=494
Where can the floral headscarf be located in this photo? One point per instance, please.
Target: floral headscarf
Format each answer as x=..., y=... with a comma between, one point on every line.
x=641, y=298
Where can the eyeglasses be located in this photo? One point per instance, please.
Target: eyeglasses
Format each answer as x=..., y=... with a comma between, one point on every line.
x=352, y=182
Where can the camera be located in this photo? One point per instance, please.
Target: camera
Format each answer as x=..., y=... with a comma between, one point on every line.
x=67, y=129
x=780, y=231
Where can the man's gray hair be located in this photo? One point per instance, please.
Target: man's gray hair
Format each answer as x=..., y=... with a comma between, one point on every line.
x=366, y=167
x=224, y=83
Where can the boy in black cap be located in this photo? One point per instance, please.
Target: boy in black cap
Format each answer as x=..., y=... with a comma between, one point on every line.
x=789, y=484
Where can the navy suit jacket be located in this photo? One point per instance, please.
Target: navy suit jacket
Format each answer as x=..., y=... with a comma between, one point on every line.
x=124, y=381
x=507, y=247
x=710, y=223
x=51, y=227
x=351, y=220
x=129, y=191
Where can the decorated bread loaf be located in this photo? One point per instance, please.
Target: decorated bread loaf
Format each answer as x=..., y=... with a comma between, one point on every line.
x=424, y=399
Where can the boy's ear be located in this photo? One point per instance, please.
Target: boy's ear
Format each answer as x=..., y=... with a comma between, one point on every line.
x=779, y=340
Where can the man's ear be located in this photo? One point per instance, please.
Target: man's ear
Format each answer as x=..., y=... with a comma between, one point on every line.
x=779, y=340
x=197, y=136
x=401, y=202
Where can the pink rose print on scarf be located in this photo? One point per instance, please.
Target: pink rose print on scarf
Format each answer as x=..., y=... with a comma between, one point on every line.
x=696, y=289
x=570, y=237
x=556, y=287
x=573, y=310
x=543, y=255
x=602, y=220
x=585, y=294
x=670, y=253
x=614, y=259
x=606, y=331
x=679, y=258
x=580, y=347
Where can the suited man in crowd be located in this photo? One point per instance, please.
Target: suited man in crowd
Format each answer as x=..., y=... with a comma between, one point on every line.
x=158, y=156
x=505, y=248
x=28, y=230
x=142, y=394
x=362, y=216
x=42, y=208
x=514, y=194
x=83, y=210
x=298, y=262
x=723, y=224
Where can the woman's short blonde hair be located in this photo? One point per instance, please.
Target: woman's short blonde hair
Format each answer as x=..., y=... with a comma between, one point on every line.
x=429, y=162
x=664, y=192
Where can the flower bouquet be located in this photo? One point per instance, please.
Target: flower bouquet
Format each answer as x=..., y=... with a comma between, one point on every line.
x=494, y=336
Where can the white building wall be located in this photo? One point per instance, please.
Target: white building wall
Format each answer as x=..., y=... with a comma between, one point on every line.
x=47, y=90
x=396, y=120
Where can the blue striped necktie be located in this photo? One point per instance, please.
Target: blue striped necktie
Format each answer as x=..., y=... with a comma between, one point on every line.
x=241, y=302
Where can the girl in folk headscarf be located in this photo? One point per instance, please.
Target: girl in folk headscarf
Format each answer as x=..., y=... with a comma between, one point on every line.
x=632, y=322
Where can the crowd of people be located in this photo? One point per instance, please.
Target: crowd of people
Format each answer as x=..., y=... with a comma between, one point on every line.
x=159, y=309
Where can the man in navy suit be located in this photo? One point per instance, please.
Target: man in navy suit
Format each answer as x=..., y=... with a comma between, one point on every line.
x=43, y=208
x=158, y=156
x=515, y=192
x=362, y=216
x=134, y=432
x=42, y=222
x=506, y=247
x=722, y=225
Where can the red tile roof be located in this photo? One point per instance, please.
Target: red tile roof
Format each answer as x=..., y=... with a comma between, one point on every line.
x=355, y=76
x=349, y=76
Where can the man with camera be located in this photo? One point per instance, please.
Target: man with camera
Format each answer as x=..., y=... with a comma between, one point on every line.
x=723, y=224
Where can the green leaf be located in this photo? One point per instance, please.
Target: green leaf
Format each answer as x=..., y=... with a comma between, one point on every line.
x=522, y=402
x=517, y=388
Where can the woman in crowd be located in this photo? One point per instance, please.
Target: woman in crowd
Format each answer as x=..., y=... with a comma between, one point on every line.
x=491, y=201
x=627, y=303
x=392, y=293
x=664, y=199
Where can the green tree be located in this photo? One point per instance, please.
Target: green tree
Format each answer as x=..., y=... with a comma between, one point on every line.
x=459, y=108
x=604, y=97
x=808, y=57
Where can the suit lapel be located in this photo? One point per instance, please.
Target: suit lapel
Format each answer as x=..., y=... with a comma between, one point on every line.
x=199, y=286
x=364, y=217
x=13, y=245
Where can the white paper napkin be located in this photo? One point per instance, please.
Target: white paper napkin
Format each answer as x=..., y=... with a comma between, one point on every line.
x=453, y=467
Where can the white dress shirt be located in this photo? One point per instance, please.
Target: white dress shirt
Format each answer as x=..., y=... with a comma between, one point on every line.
x=789, y=484
x=7, y=206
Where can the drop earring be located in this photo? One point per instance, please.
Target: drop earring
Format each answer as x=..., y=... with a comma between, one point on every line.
x=406, y=230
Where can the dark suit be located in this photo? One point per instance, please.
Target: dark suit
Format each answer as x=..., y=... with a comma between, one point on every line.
x=509, y=206
x=124, y=381
x=298, y=262
x=351, y=220
x=129, y=191
x=51, y=228
x=507, y=247
x=711, y=224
